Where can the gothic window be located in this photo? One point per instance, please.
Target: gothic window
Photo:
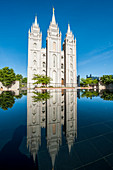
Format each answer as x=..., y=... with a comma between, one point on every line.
x=71, y=58
x=33, y=129
x=54, y=61
x=71, y=74
x=54, y=46
x=61, y=57
x=34, y=62
x=71, y=51
x=34, y=45
x=44, y=64
x=62, y=66
x=44, y=55
x=54, y=114
x=62, y=72
x=62, y=108
x=54, y=129
x=34, y=55
x=54, y=76
x=71, y=66
x=43, y=109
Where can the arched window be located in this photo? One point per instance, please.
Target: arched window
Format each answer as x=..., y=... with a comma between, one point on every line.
x=54, y=113
x=71, y=51
x=54, y=46
x=34, y=62
x=71, y=58
x=71, y=74
x=34, y=55
x=44, y=64
x=54, y=60
x=71, y=65
x=62, y=66
x=54, y=76
x=34, y=45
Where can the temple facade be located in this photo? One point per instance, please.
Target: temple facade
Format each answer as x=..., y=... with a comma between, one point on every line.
x=52, y=61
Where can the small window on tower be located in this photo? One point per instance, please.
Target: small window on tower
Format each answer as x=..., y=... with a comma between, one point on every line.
x=34, y=45
x=54, y=46
x=62, y=66
x=44, y=64
x=54, y=61
x=71, y=58
x=34, y=62
x=71, y=51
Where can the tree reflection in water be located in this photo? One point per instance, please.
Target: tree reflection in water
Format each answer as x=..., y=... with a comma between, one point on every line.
x=107, y=95
x=41, y=96
x=89, y=93
x=104, y=94
x=7, y=99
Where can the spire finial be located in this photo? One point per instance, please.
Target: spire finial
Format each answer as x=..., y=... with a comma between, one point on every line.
x=35, y=19
x=53, y=10
x=68, y=28
x=53, y=17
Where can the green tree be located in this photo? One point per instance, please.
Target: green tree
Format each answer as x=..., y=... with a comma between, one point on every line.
x=107, y=79
x=7, y=76
x=19, y=77
x=88, y=81
x=41, y=79
x=24, y=80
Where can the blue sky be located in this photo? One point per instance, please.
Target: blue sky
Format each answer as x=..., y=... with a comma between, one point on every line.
x=91, y=22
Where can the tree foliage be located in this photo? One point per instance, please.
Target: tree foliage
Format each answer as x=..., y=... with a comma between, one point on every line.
x=89, y=94
x=19, y=77
x=107, y=79
x=24, y=80
x=107, y=95
x=6, y=100
x=41, y=96
x=7, y=76
x=41, y=79
x=88, y=81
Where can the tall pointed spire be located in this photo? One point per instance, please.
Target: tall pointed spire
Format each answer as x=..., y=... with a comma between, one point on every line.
x=68, y=28
x=36, y=20
x=53, y=17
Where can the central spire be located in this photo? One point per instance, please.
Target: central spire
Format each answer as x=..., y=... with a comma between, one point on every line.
x=53, y=17
x=35, y=19
x=68, y=28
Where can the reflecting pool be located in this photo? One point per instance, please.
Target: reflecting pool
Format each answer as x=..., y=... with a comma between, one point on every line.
x=56, y=129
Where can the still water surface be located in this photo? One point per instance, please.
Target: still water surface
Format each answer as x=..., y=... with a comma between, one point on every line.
x=58, y=129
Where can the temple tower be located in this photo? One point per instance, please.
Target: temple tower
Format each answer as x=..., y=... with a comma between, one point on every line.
x=53, y=53
x=69, y=47
x=34, y=53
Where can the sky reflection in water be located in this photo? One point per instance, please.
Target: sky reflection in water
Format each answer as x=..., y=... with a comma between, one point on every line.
x=55, y=129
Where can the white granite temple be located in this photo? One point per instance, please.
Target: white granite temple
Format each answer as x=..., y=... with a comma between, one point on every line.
x=52, y=61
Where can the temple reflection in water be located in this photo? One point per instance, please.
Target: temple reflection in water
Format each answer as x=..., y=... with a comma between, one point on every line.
x=57, y=114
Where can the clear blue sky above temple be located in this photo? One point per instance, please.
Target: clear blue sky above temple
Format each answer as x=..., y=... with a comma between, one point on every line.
x=91, y=22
